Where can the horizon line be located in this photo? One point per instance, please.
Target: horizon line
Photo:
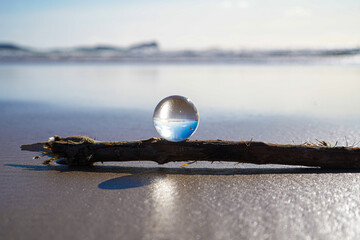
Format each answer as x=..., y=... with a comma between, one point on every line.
x=139, y=43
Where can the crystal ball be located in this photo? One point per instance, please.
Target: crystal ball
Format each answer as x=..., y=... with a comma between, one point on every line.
x=176, y=118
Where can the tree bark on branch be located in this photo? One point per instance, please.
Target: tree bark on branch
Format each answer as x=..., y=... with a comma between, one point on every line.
x=80, y=151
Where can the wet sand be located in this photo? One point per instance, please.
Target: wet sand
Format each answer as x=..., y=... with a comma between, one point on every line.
x=146, y=201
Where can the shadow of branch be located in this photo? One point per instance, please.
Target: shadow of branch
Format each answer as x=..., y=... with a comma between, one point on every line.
x=183, y=171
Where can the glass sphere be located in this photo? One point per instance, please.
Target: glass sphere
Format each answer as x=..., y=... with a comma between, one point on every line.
x=176, y=118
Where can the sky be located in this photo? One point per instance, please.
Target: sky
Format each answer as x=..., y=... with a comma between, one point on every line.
x=186, y=24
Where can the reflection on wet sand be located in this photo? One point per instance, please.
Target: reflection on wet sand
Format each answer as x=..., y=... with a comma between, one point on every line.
x=163, y=214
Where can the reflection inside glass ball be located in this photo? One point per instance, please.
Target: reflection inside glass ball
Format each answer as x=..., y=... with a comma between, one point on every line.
x=176, y=118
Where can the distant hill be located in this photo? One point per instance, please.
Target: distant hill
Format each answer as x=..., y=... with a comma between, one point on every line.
x=140, y=46
x=10, y=46
x=98, y=48
x=149, y=45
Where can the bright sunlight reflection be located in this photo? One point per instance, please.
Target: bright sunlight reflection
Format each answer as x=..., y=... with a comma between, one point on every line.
x=163, y=195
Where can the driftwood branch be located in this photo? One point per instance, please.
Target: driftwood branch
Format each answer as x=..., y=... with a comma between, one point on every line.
x=79, y=150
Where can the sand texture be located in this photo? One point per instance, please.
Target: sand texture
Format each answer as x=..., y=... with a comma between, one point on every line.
x=145, y=201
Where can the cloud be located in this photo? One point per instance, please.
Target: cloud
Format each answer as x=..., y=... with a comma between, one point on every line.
x=235, y=4
x=297, y=12
x=227, y=4
x=242, y=4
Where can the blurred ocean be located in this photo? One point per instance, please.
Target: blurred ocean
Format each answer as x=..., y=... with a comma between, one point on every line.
x=280, y=103
x=313, y=90
x=150, y=52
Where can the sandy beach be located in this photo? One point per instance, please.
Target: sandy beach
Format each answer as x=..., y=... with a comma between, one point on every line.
x=202, y=201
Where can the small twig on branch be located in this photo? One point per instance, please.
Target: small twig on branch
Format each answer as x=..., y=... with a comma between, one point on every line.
x=80, y=150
